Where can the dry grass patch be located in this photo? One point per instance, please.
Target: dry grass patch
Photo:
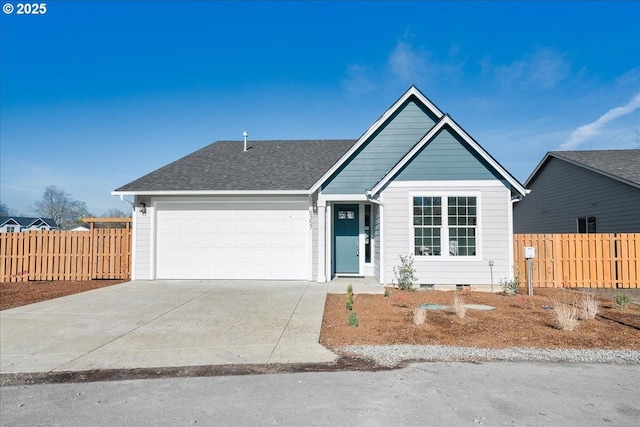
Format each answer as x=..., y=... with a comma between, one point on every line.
x=458, y=305
x=566, y=313
x=419, y=315
x=590, y=306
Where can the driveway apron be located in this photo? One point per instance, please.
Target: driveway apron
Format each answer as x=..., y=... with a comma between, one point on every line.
x=146, y=324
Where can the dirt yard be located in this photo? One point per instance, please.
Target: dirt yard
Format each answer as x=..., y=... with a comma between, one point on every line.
x=517, y=321
x=15, y=294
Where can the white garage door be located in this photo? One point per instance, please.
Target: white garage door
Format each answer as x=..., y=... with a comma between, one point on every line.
x=232, y=241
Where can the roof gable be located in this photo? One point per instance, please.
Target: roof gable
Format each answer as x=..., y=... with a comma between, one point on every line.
x=447, y=122
x=621, y=165
x=26, y=222
x=446, y=157
x=386, y=146
x=412, y=92
x=8, y=220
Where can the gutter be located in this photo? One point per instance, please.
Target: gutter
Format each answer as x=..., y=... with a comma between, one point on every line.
x=127, y=201
x=213, y=193
x=374, y=201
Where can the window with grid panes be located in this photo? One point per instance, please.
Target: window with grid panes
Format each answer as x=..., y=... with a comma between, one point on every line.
x=427, y=225
x=462, y=222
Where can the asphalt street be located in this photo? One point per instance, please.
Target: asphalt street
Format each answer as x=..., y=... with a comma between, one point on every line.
x=436, y=394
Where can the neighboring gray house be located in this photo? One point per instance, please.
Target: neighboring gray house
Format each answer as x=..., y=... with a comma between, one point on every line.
x=414, y=183
x=17, y=224
x=582, y=192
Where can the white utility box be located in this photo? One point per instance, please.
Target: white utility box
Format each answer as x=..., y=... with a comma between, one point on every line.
x=529, y=252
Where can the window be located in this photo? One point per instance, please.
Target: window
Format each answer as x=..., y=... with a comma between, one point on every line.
x=462, y=226
x=11, y=229
x=445, y=226
x=427, y=225
x=587, y=224
x=346, y=215
x=367, y=233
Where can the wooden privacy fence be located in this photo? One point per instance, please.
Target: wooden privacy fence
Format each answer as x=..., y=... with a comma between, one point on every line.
x=580, y=260
x=100, y=253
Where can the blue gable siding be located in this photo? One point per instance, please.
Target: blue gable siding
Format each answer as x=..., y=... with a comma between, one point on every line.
x=384, y=149
x=447, y=157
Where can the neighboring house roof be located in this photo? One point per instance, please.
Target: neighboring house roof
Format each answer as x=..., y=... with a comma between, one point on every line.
x=265, y=166
x=78, y=228
x=621, y=165
x=27, y=221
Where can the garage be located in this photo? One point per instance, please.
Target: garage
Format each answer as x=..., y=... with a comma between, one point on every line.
x=232, y=240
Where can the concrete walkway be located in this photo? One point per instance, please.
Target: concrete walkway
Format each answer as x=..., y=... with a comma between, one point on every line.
x=167, y=323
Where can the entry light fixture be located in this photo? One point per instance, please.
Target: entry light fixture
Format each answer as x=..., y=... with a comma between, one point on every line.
x=143, y=208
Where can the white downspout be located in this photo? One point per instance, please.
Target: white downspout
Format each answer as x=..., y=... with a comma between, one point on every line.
x=380, y=241
x=127, y=201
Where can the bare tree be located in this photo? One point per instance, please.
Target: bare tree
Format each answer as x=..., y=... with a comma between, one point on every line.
x=6, y=210
x=58, y=204
x=115, y=213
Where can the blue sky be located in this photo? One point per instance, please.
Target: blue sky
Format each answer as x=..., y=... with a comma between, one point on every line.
x=96, y=94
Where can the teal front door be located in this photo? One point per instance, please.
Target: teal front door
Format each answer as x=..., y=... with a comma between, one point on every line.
x=345, y=242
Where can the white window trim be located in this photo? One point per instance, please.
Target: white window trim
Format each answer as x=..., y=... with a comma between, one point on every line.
x=444, y=235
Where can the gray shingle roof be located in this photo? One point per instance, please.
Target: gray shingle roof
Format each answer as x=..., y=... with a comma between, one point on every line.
x=266, y=165
x=27, y=221
x=623, y=165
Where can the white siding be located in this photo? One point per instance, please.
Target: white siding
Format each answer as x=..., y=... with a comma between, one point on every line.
x=314, y=246
x=493, y=233
x=142, y=244
x=375, y=212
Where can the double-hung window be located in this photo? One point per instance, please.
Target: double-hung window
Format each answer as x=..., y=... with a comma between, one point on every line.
x=445, y=226
x=427, y=225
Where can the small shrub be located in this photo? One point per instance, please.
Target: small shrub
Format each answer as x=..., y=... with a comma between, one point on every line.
x=349, y=289
x=405, y=274
x=524, y=301
x=566, y=314
x=400, y=300
x=348, y=302
x=622, y=300
x=458, y=305
x=387, y=293
x=589, y=305
x=353, y=320
x=419, y=315
x=510, y=286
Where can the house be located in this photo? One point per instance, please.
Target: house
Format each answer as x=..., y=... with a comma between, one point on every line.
x=596, y=191
x=17, y=224
x=80, y=227
x=414, y=183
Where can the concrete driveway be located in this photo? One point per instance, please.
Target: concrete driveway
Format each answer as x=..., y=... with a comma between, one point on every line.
x=167, y=323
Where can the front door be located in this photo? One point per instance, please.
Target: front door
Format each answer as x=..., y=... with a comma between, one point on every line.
x=346, y=245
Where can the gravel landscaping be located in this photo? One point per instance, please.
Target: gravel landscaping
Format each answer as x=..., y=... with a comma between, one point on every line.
x=394, y=355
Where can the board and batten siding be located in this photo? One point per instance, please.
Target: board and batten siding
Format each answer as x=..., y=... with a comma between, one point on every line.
x=494, y=236
x=384, y=149
x=563, y=192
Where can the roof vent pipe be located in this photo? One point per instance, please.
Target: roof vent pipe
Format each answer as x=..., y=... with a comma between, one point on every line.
x=244, y=135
